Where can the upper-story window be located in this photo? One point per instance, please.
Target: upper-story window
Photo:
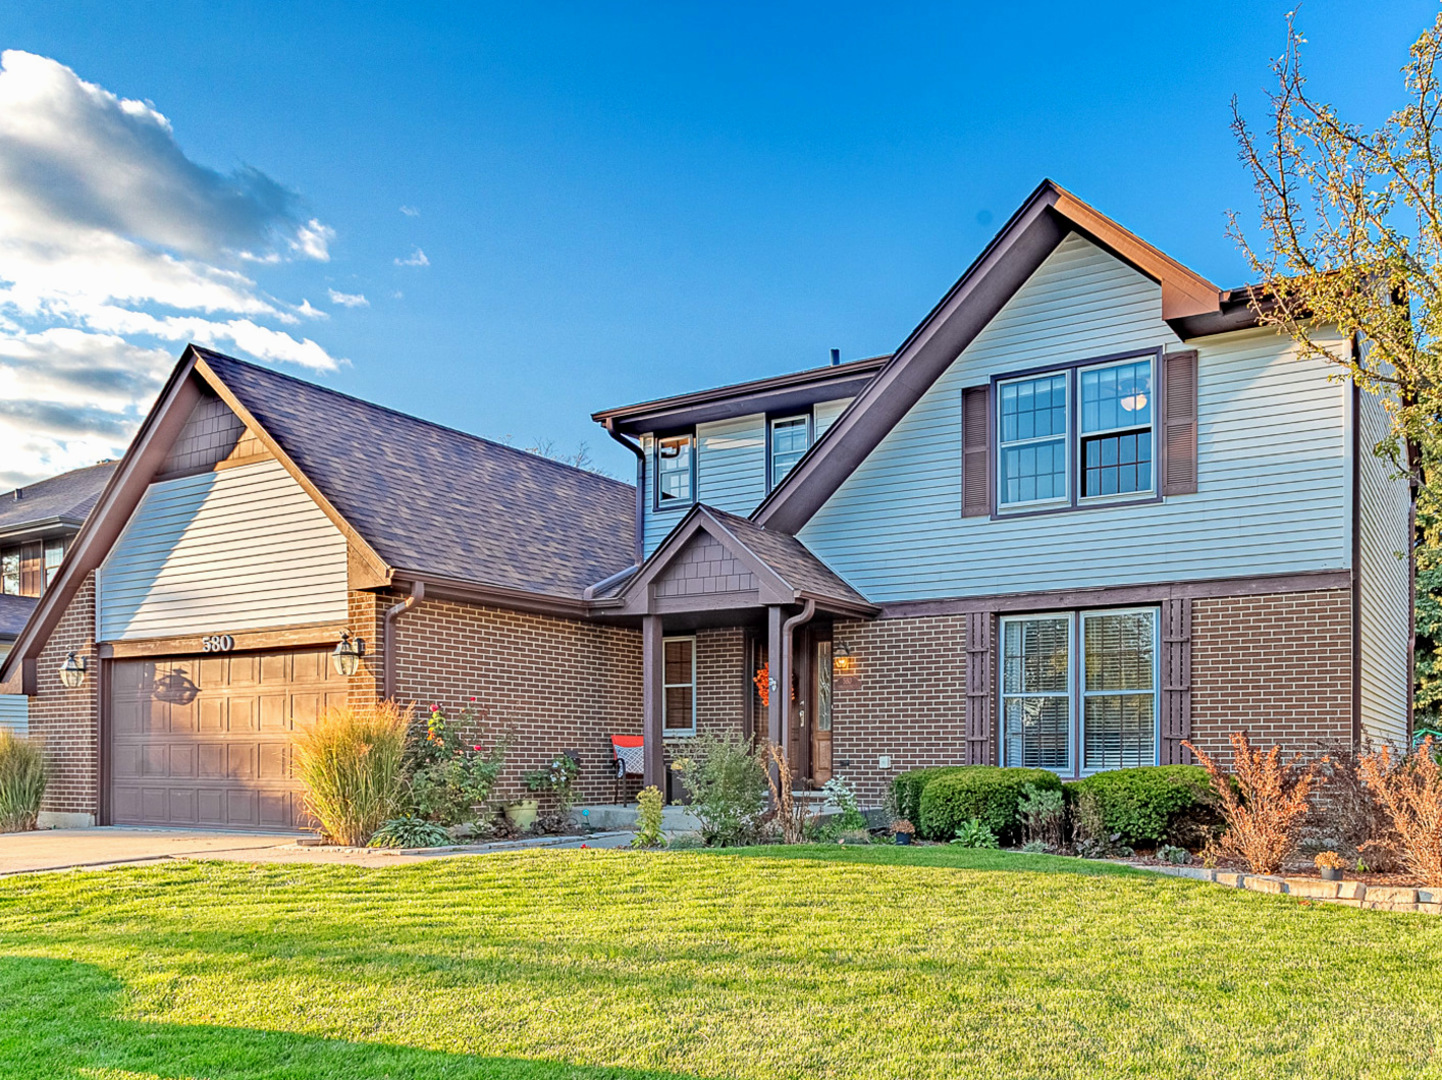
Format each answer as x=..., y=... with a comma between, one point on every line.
x=54, y=553
x=675, y=472
x=10, y=572
x=790, y=437
x=1076, y=435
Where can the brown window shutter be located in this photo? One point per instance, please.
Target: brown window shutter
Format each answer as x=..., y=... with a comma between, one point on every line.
x=1176, y=665
x=976, y=451
x=978, y=688
x=1179, y=425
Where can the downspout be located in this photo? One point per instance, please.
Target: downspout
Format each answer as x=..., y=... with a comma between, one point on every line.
x=787, y=629
x=388, y=638
x=638, y=549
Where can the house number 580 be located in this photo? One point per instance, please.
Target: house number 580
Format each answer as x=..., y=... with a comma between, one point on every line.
x=217, y=643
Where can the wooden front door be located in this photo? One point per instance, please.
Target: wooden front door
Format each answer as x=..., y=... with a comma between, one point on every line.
x=808, y=731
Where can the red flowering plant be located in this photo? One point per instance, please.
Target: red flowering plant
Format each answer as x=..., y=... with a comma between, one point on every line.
x=448, y=779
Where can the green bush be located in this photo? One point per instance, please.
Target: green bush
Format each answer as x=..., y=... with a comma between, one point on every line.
x=987, y=793
x=650, y=808
x=728, y=789
x=1153, y=804
x=906, y=789
x=23, y=776
x=446, y=780
x=410, y=832
x=973, y=834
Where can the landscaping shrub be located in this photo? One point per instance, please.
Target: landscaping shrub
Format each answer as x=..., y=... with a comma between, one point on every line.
x=974, y=834
x=23, y=777
x=1347, y=816
x=1042, y=812
x=990, y=794
x=448, y=781
x=1091, y=839
x=350, y=764
x=1410, y=790
x=1263, y=801
x=848, y=819
x=649, y=808
x=1153, y=804
x=410, y=832
x=727, y=785
x=906, y=789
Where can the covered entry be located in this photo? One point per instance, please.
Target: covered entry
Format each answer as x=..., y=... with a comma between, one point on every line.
x=206, y=740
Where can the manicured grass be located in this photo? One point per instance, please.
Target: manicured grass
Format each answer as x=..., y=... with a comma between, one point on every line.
x=814, y=962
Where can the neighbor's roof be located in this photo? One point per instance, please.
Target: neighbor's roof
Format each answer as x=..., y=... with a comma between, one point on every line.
x=14, y=610
x=439, y=502
x=60, y=500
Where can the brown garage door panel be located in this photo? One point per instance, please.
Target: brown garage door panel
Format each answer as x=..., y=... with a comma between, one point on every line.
x=207, y=740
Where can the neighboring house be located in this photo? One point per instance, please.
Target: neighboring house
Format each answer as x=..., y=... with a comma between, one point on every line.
x=1086, y=511
x=37, y=524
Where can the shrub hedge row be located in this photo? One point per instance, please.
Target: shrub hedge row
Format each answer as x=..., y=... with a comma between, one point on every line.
x=1148, y=805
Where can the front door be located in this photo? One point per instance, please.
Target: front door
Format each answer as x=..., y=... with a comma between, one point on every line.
x=808, y=729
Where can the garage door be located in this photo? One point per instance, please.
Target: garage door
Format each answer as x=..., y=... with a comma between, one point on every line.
x=206, y=740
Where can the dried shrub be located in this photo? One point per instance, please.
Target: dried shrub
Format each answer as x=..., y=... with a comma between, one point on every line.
x=793, y=815
x=1346, y=816
x=1264, y=803
x=1330, y=860
x=1409, y=789
x=350, y=764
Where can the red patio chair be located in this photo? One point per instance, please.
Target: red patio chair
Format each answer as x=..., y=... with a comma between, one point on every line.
x=630, y=755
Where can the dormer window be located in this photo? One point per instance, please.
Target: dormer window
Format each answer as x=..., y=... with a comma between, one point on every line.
x=790, y=438
x=675, y=472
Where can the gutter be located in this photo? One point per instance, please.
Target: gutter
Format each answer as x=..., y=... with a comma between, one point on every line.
x=589, y=593
x=638, y=548
x=388, y=638
x=783, y=684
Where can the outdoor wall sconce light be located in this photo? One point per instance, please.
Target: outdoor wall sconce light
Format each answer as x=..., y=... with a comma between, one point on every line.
x=347, y=655
x=72, y=672
x=842, y=662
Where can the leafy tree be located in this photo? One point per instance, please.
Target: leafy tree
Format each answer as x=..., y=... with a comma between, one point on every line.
x=1351, y=238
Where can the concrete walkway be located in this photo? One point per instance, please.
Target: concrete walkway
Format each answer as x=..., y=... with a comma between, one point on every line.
x=100, y=848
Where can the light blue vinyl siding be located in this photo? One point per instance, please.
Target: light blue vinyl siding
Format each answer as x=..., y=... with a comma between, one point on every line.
x=730, y=467
x=15, y=713
x=1272, y=481
x=1385, y=622
x=237, y=549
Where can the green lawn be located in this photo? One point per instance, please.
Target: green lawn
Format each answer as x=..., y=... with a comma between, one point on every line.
x=819, y=962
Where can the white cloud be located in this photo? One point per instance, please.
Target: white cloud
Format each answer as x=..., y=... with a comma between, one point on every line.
x=415, y=258
x=348, y=299
x=410, y=211
x=116, y=249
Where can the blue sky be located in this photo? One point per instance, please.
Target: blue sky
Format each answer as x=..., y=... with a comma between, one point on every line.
x=614, y=202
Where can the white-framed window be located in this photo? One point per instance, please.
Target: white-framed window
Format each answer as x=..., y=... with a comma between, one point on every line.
x=1079, y=690
x=790, y=438
x=678, y=689
x=1033, y=440
x=1116, y=429
x=54, y=553
x=675, y=471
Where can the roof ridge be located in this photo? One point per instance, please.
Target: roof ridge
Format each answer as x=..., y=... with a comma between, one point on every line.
x=273, y=373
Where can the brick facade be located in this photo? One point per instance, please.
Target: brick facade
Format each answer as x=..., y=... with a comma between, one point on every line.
x=1278, y=667
x=68, y=721
x=558, y=684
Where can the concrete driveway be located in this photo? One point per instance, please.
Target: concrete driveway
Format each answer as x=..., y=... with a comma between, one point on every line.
x=70, y=849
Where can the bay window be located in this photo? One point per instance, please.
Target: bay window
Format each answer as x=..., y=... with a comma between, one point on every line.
x=1079, y=690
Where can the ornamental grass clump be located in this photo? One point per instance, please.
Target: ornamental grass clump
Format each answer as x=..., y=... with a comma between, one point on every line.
x=349, y=762
x=23, y=777
x=1409, y=789
x=1264, y=802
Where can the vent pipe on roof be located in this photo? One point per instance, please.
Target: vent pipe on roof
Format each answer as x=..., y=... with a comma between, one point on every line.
x=835, y=357
x=18, y=493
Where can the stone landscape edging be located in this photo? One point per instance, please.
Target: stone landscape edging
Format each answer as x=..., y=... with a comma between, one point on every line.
x=1350, y=893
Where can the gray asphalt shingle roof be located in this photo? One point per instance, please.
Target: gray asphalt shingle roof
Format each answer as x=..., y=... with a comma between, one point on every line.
x=437, y=501
x=66, y=498
x=792, y=560
x=14, y=610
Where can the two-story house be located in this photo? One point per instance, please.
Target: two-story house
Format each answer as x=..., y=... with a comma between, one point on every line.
x=37, y=524
x=1086, y=511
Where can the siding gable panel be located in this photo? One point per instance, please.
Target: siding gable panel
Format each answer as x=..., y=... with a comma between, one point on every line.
x=1271, y=462
x=243, y=548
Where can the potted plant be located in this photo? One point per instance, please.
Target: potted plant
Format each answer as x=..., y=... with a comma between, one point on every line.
x=903, y=830
x=1330, y=865
x=522, y=814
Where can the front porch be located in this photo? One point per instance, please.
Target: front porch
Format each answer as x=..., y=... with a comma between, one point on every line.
x=717, y=571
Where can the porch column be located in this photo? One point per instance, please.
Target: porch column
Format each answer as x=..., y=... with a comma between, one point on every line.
x=778, y=664
x=653, y=700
